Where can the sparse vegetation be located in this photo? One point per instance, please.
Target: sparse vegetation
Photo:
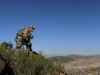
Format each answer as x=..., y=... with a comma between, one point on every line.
x=23, y=63
x=64, y=59
x=80, y=65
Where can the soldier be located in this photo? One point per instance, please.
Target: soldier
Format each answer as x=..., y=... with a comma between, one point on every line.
x=23, y=38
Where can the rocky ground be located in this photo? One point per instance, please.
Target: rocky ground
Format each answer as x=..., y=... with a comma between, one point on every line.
x=4, y=68
x=83, y=66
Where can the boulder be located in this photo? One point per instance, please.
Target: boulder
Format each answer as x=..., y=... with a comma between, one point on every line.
x=4, y=68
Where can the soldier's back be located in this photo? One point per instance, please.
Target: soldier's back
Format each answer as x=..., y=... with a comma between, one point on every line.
x=25, y=31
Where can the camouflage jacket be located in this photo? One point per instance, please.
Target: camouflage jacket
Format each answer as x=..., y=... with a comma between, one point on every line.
x=24, y=33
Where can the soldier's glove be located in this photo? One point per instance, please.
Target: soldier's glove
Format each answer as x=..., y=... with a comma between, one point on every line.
x=27, y=38
x=31, y=37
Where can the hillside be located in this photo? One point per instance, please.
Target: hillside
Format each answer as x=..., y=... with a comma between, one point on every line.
x=13, y=62
x=23, y=63
x=70, y=58
x=80, y=64
x=66, y=59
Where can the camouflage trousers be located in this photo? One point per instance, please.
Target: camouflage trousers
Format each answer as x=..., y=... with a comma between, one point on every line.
x=20, y=42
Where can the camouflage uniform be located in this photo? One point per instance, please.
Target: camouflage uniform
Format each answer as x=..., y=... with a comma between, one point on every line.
x=23, y=38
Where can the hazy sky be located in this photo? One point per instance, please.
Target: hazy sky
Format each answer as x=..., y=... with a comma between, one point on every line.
x=62, y=26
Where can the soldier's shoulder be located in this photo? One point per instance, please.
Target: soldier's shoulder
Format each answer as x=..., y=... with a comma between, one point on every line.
x=23, y=28
x=26, y=29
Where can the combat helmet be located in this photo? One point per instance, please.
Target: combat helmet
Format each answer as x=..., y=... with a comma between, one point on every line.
x=31, y=26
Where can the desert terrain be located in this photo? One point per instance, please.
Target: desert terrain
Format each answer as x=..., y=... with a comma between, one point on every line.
x=80, y=65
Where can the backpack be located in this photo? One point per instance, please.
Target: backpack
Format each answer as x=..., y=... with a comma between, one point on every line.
x=19, y=33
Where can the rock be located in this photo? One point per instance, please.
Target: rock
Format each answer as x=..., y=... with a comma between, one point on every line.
x=5, y=69
x=2, y=65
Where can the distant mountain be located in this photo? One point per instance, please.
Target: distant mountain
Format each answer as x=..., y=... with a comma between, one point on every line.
x=53, y=55
x=70, y=58
x=79, y=64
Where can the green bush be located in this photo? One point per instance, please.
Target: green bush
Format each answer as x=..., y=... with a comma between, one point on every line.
x=23, y=63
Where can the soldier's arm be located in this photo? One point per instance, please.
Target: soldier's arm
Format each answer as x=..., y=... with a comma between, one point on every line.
x=31, y=36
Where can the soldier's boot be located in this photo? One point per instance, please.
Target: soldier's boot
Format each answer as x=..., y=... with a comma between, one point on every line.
x=28, y=50
x=34, y=52
x=31, y=51
x=28, y=47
